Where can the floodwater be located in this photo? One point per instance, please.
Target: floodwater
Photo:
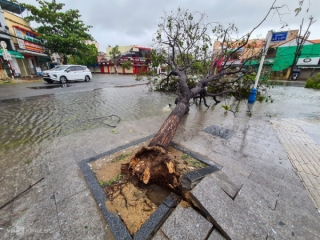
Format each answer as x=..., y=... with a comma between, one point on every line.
x=52, y=86
x=26, y=123
x=291, y=101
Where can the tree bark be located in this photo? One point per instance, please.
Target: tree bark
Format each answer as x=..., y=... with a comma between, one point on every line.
x=154, y=163
x=166, y=133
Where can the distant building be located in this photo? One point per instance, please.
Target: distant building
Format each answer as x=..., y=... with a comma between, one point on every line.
x=308, y=62
x=139, y=57
x=101, y=57
x=279, y=57
x=95, y=43
x=251, y=50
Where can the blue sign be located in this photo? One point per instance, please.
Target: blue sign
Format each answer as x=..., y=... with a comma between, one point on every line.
x=279, y=36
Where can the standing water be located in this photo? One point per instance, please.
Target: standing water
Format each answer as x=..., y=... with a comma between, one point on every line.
x=27, y=123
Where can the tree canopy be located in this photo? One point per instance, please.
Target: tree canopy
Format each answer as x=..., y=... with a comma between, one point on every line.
x=115, y=54
x=61, y=31
x=87, y=56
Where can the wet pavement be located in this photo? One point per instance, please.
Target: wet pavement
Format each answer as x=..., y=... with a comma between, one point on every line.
x=40, y=87
x=47, y=132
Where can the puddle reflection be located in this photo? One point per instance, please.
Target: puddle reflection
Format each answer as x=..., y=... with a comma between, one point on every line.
x=51, y=86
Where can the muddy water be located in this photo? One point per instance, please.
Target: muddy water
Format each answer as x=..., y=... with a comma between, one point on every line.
x=26, y=123
x=290, y=102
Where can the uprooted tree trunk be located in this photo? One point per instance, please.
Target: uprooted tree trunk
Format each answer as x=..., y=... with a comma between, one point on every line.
x=153, y=163
x=184, y=43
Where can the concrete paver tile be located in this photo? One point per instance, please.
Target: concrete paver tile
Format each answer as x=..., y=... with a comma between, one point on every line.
x=215, y=235
x=256, y=191
x=38, y=221
x=298, y=214
x=225, y=183
x=256, y=194
x=273, y=183
x=186, y=223
x=258, y=211
x=227, y=216
x=236, y=166
x=304, y=154
x=284, y=229
x=313, y=187
x=292, y=177
x=67, y=186
x=160, y=236
x=80, y=216
x=274, y=170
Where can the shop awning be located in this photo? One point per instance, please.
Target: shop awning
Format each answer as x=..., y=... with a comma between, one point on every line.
x=30, y=53
x=308, y=67
x=13, y=54
x=267, y=61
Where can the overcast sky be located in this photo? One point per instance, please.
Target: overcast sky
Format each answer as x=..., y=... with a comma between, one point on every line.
x=129, y=22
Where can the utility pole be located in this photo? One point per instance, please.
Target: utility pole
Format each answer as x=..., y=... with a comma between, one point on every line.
x=253, y=93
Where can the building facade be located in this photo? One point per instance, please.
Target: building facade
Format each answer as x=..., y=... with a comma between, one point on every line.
x=308, y=62
x=7, y=65
x=26, y=43
x=138, y=56
x=28, y=57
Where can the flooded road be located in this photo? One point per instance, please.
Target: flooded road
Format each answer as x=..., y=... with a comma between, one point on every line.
x=27, y=123
x=290, y=101
x=45, y=133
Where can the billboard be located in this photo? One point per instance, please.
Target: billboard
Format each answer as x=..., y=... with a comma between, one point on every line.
x=309, y=61
x=28, y=41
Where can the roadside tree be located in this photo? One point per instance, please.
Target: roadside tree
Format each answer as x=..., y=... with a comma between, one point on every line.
x=61, y=31
x=183, y=43
x=87, y=55
x=302, y=37
x=115, y=54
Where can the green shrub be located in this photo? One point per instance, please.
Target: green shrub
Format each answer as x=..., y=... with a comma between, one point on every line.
x=313, y=82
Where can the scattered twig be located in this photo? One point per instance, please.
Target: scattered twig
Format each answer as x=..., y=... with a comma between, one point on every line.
x=7, y=203
x=119, y=119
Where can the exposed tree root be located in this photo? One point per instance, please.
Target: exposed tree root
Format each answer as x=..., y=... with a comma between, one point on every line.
x=155, y=165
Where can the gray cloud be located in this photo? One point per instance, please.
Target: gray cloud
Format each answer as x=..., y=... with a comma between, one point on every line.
x=126, y=22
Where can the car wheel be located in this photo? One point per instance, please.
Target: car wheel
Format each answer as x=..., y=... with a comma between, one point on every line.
x=87, y=78
x=63, y=79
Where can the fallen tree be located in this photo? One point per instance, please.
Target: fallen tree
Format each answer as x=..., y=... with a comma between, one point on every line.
x=184, y=46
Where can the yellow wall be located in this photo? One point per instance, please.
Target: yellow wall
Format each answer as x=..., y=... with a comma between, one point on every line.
x=11, y=20
x=121, y=49
x=112, y=69
x=130, y=70
x=3, y=74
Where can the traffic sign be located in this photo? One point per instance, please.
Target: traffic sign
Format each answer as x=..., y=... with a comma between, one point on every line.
x=279, y=36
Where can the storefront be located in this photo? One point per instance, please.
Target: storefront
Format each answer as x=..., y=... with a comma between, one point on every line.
x=14, y=66
x=31, y=49
x=308, y=67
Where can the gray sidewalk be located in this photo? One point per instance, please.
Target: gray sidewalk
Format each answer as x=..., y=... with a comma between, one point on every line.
x=256, y=195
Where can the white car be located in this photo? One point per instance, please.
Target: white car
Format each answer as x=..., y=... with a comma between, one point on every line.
x=64, y=73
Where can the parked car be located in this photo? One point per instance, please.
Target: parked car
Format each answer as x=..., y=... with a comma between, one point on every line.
x=65, y=73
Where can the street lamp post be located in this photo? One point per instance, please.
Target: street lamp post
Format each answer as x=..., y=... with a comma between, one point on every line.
x=253, y=94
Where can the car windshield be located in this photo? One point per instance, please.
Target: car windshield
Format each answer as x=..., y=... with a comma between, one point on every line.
x=58, y=68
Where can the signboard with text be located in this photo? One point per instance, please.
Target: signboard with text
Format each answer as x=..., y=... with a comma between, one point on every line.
x=279, y=36
x=309, y=61
x=30, y=43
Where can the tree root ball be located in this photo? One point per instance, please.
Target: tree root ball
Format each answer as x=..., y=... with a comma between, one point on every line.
x=154, y=164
